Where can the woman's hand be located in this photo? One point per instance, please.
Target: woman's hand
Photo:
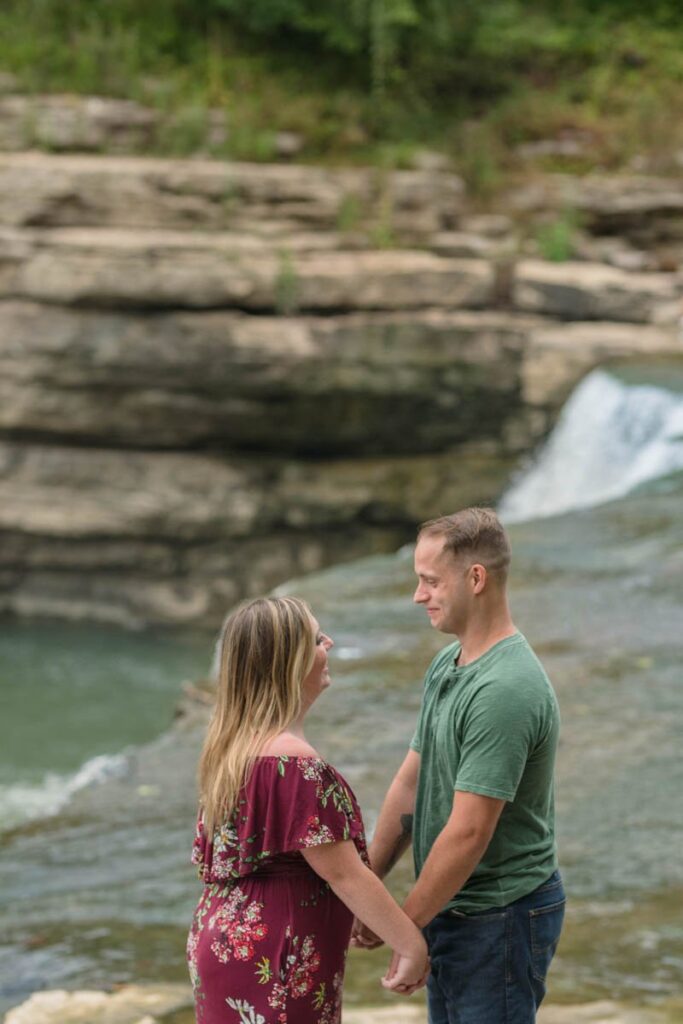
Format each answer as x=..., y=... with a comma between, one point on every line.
x=407, y=972
x=363, y=938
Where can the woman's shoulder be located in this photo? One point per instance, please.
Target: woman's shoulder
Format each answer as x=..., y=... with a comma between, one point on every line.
x=289, y=746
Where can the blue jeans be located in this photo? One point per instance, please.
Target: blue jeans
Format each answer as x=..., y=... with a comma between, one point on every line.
x=490, y=967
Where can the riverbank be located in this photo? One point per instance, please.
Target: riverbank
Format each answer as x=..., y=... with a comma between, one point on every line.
x=102, y=892
x=172, y=1004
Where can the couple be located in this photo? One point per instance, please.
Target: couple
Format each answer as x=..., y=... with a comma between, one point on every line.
x=280, y=844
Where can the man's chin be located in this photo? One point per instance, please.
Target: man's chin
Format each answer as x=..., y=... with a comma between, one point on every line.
x=440, y=625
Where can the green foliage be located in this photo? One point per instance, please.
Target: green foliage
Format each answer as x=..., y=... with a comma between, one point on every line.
x=286, y=285
x=381, y=219
x=354, y=77
x=556, y=239
x=387, y=46
x=350, y=213
x=479, y=158
x=185, y=132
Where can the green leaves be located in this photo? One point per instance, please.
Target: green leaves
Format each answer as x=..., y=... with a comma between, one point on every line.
x=264, y=971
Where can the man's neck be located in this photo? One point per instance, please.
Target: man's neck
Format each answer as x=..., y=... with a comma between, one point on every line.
x=480, y=637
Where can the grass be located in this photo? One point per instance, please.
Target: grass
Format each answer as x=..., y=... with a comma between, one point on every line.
x=556, y=238
x=617, y=88
x=286, y=285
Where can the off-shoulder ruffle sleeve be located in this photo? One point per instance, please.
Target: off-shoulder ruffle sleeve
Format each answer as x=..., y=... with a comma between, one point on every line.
x=287, y=805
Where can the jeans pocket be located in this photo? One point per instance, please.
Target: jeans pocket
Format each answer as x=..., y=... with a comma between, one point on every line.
x=545, y=924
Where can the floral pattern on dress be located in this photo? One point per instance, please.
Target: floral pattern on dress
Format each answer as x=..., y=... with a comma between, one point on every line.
x=193, y=944
x=220, y=858
x=225, y=842
x=269, y=937
x=233, y=853
x=297, y=975
x=247, y=1012
x=240, y=927
x=317, y=833
x=311, y=768
x=198, y=846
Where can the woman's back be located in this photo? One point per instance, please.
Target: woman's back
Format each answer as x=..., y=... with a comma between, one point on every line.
x=269, y=936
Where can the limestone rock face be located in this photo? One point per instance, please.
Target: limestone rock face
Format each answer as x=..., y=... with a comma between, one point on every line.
x=138, y=537
x=361, y=383
x=559, y=355
x=74, y=122
x=644, y=209
x=214, y=377
x=258, y=200
x=123, y=269
x=585, y=291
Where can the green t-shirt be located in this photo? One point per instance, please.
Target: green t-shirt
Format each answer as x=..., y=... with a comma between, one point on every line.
x=490, y=727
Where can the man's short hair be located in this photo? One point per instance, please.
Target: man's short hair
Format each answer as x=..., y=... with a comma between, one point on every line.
x=476, y=534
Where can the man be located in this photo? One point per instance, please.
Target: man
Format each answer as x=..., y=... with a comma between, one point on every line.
x=475, y=792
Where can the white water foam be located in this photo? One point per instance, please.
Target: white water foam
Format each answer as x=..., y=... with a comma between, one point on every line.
x=610, y=438
x=23, y=802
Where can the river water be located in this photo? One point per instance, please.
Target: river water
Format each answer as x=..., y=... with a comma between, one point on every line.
x=97, y=787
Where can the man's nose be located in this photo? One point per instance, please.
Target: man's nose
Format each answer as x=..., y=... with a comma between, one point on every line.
x=419, y=597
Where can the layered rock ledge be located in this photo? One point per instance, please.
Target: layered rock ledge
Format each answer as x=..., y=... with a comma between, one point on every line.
x=260, y=200
x=213, y=379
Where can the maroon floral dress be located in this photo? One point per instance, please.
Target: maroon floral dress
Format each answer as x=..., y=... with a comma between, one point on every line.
x=269, y=938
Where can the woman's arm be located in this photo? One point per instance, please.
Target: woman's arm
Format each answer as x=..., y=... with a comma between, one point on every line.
x=363, y=893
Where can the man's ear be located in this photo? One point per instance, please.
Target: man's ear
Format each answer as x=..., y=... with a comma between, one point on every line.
x=478, y=577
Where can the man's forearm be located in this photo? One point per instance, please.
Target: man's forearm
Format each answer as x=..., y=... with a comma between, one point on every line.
x=385, y=854
x=393, y=833
x=444, y=874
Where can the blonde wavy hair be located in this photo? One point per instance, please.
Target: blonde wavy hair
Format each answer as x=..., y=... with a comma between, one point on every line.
x=266, y=650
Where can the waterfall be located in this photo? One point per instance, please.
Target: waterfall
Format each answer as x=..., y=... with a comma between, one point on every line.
x=611, y=436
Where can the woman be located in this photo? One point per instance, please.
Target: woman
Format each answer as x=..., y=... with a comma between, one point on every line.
x=279, y=843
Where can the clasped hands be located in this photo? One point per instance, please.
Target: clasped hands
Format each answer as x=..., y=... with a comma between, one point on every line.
x=405, y=974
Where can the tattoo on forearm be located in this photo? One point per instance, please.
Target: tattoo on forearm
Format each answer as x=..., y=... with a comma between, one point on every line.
x=406, y=825
x=402, y=841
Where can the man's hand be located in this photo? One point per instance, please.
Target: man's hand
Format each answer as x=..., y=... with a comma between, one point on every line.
x=454, y=855
x=406, y=974
x=362, y=937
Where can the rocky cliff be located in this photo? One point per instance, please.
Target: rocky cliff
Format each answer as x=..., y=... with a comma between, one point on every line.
x=217, y=376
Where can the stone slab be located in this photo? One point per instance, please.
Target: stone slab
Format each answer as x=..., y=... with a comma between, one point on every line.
x=355, y=384
x=136, y=538
x=594, y=291
x=129, y=269
x=143, y=193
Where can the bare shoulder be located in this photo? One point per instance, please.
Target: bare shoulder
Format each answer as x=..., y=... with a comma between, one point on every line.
x=286, y=745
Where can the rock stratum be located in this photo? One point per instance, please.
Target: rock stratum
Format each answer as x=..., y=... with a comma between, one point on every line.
x=215, y=377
